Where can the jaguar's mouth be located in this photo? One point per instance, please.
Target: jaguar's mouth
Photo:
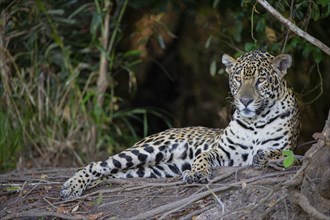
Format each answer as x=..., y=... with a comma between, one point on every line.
x=247, y=113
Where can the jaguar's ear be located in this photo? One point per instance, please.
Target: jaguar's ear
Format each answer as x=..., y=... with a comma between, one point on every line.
x=282, y=63
x=229, y=62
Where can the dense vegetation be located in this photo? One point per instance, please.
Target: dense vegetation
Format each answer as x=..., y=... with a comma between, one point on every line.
x=81, y=78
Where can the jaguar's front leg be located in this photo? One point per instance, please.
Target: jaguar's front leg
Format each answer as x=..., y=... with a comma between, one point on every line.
x=201, y=170
x=262, y=157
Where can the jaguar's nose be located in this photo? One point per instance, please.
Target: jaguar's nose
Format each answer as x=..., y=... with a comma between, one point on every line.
x=246, y=101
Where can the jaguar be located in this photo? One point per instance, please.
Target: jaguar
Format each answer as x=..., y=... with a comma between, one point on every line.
x=265, y=121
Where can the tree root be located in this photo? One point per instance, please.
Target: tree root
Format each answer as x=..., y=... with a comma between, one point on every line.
x=299, y=199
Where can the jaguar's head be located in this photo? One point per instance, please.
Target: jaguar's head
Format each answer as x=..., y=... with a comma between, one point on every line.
x=256, y=80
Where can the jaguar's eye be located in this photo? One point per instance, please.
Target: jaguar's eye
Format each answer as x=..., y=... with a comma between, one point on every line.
x=261, y=79
x=238, y=78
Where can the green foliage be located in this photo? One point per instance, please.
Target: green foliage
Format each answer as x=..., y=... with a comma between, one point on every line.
x=250, y=27
x=289, y=158
x=320, y=9
x=49, y=84
x=11, y=141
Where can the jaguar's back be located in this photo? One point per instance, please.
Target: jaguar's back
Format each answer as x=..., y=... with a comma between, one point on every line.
x=266, y=120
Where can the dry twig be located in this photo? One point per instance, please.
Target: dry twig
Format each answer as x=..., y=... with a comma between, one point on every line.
x=294, y=27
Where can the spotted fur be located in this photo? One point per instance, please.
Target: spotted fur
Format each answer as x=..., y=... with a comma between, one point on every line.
x=266, y=121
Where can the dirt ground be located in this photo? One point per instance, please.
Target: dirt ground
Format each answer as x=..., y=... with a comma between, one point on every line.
x=236, y=193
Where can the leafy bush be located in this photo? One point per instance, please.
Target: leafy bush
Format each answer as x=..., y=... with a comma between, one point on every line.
x=53, y=54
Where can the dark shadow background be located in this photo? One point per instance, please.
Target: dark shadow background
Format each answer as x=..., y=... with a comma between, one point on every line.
x=177, y=79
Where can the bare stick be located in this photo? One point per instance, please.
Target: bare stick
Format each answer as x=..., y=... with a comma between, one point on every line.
x=42, y=214
x=294, y=28
x=217, y=199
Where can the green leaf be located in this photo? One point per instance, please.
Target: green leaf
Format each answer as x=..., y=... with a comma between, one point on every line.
x=58, y=12
x=288, y=162
x=99, y=200
x=276, y=47
x=213, y=68
x=289, y=158
x=299, y=14
x=132, y=53
x=317, y=55
x=250, y=46
x=294, y=42
x=315, y=12
x=325, y=11
x=237, y=31
x=279, y=5
x=96, y=23
x=261, y=24
x=208, y=41
x=80, y=9
x=323, y=2
x=13, y=188
x=307, y=50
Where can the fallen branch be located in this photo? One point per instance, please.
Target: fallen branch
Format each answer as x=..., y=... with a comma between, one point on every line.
x=178, y=205
x=301, y=200
x=294, y=28
x=197, y=212
x=297, y=179
x=32, y=214
x=266, y=214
